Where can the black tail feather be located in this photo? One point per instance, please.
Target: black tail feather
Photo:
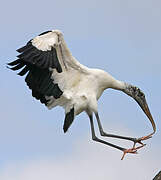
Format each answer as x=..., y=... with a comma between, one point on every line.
x=69, y=117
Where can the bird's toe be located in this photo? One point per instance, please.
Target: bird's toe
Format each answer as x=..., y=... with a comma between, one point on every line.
x=139, y=140
x=132, y=151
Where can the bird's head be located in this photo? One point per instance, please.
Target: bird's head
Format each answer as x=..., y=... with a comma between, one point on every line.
x=139, y=97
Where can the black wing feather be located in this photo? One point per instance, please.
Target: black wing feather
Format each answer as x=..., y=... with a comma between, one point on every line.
x=24, y=71
x=18, y=66
x=56, y=61
x=13, y=63
x=28, y=47
x=47, y=62
x=44, y=33
x=42, y=59
x=36, y=65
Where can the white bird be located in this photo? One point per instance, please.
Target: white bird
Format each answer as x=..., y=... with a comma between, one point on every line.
x=56, y=78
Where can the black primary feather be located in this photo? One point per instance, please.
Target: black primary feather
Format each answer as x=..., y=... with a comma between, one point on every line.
x=24, y=71
x=42, y=59
x=13, y=63
x=35, y=64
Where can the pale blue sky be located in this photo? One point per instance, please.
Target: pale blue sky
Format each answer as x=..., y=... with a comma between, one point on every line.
x=122, y=37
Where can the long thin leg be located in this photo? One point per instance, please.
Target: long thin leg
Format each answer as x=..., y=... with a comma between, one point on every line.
x=135, y=140
x=133, y=150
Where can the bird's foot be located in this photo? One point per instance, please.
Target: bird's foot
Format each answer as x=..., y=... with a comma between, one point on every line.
x=139, y=140
x=132, y=151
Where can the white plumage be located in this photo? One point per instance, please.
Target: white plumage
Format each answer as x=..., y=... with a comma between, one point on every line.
x=56, y=78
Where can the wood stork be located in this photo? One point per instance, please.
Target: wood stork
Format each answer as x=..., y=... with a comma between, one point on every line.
x=56, y=78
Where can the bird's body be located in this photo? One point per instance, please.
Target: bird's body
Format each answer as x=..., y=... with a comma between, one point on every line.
x=82, y=91
x=56, y=78
x=82, y=86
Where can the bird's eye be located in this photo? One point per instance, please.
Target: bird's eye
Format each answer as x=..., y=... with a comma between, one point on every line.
x=134, y=89
x=141, y=94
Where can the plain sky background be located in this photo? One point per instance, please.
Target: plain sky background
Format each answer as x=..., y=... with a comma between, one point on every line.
x=122, y=37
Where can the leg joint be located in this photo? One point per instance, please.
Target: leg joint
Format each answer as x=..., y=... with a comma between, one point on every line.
x=94, y=138
x=102, y=133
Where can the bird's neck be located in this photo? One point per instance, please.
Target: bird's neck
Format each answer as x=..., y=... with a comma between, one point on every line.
x=110, y=82
x=118, y=85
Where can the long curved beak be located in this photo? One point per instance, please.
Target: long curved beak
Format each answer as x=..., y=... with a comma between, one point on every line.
x=144, y=106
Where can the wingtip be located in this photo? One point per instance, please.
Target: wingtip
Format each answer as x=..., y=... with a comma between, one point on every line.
x=13, y=63
x=18, y=50
x=8, y=66
x=65, y=130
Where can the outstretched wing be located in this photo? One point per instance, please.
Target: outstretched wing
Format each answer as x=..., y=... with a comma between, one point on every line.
x=52, y=73
x=38, y=60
